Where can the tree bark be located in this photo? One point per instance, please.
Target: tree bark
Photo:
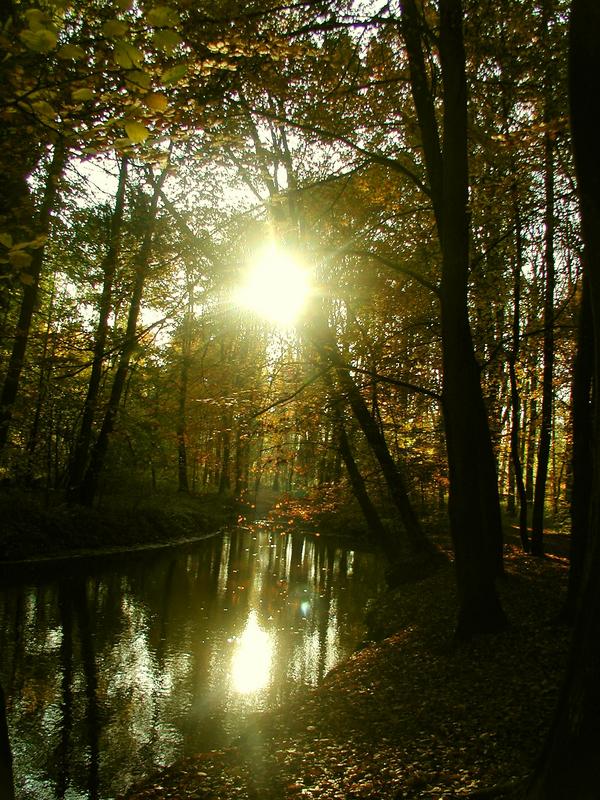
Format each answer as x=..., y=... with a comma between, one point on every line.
x=473, y=501
x=541, y=477
x=568, y=763
x=79, y=459
x=30, y=296
x=321, y=336
x=89, y=485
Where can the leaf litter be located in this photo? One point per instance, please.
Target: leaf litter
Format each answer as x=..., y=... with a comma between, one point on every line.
x=409, y=716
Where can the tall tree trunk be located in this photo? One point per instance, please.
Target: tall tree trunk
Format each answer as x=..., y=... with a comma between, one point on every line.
x=186, y=351
x=515, y=399
x=473, y=502
x=568, y=763
x=30, y=295
x=583, y=456
x=79, y=459
x=89, y=485
x=539, y=498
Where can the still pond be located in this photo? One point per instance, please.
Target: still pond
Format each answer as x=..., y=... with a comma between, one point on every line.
x=115, y=668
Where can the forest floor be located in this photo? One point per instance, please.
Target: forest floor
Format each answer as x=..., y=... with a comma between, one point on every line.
x=412, y=715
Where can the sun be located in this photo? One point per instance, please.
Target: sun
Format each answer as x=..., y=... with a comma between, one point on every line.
x=276, y=286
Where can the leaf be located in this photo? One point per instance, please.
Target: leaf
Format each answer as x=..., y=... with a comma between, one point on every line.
x=137, y=79
x=6, y=239
x=166, y=41
x=82, y=95
x=115, y=28
x=174, y=74
x=43, y=109
x=136, y=132
x=36, y=19
x=26, y=278
x=162, y=17
x=71, y=52
x=127, y=56
x=42, y=40
x=156, y=101
x=19, y=259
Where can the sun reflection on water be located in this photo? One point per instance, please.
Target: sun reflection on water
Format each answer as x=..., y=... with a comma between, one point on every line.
x=251, y=663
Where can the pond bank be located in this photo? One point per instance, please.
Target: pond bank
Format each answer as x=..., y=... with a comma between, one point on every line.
x=410, y=716
x=32, y=530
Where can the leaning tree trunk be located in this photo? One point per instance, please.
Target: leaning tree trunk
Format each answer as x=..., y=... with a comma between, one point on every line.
x=30, y=295
x=568, y=764
x=77, y=465
x=89, y=485
x=473, y=501
x=321, y=336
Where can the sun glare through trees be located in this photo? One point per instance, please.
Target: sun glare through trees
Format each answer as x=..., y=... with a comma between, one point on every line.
x=276, y=286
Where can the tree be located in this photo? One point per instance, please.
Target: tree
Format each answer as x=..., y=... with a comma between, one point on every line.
x=567, y=765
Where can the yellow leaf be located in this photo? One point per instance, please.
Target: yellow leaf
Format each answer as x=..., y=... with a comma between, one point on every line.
x=6, y=239
x=127, y=56
x=156, y=101
x=115, y=28
x=82, y=95
x=166, y=41
x=71, y=52
x=26, y=278
x=136, y=132
x=19, y=259
x=123, y=5
x=42, y=40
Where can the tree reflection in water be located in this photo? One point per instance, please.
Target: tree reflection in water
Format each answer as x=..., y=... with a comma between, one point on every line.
x=118, y=668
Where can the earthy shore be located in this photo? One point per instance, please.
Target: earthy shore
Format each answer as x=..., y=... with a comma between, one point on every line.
x=409, y=716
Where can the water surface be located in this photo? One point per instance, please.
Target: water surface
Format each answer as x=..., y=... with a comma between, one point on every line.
x=117, y=668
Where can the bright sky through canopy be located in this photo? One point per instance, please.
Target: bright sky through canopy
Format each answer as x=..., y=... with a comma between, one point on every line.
x=276, y=286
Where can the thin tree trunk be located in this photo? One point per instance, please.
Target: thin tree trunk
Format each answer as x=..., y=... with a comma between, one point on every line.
x=30, y=295
x=89, y=485
x=537, y=524
x=186, y=349
x=322, y=337
x=79, y=459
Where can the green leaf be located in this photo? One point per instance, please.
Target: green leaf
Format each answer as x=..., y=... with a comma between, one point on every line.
x=43, y=109
x=115, y=28
x=137, y=79
x=127, y=56
x=41, y=40
x=71, y=52
x=174, y=74
x=162, y=17
x=6, y=239
x=26, y=278
x=166, y=41
x=19, y=259
x=82, y=95
x=136, y=132
x=36, y=19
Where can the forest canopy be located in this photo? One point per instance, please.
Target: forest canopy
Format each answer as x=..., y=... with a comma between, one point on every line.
x=315, y=247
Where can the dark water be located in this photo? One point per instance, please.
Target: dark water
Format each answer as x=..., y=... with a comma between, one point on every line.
x=116, y=669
